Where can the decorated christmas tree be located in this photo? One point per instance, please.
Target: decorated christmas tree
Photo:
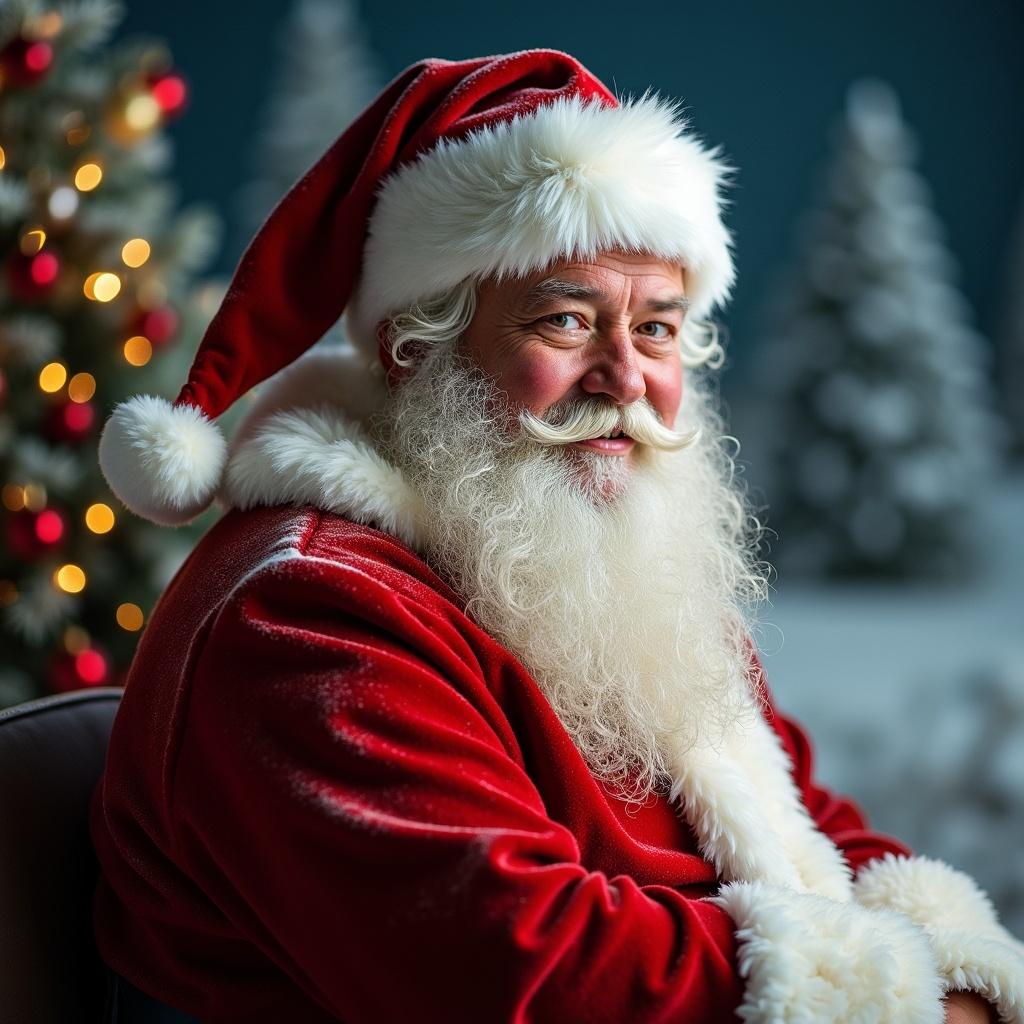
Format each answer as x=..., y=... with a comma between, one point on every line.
x=97, y=302
x=880, y=409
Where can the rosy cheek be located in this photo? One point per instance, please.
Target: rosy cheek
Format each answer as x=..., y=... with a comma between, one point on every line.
x=665, y=392
x=538, y=381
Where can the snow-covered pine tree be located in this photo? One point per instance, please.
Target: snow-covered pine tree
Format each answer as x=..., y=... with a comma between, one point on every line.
x=881, y=426
x=96, y=289
x=325, y=77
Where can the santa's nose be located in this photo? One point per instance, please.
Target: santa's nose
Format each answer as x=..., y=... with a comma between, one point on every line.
x=615, y=373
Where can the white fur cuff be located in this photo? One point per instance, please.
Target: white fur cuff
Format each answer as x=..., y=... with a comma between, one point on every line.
x=973, y=951
x=810, y=958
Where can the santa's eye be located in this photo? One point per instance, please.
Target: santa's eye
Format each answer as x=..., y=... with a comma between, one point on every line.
x=564, y=321
x=655, y=329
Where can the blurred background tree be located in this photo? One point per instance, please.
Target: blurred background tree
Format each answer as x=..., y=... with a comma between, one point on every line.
x=880, y=414
x=97, y=294
x=325, y=75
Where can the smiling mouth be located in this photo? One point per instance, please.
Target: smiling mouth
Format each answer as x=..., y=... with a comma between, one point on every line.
x=613, y=442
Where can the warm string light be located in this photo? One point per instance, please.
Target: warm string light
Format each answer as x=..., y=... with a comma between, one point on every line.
x=130, y=617
x=81, y=387
x=99, y=518
x=70, y=578
x=32, y=241
x=13, y=497
x=3, y=158
x=88, y=176
x=137, y=350
x=102, y=286
x=135, y=252
x=52, y=377
x=35, y=497
x=142, y=112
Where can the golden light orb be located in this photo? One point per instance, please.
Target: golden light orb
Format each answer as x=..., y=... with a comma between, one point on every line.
x=88, y=176
x=99, y=517
x=135, y=252
x=35, y=497
x=70, y=578
x=52, y=377
x=137, y=350
x=142, y=112
x=13, y=497
x=32, y=241
x=3, y=158
x=102, y=286
x=81, y=387
x=130, y=617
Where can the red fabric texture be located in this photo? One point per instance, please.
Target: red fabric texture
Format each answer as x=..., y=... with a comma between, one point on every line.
x=331, y=797
x=298, y=273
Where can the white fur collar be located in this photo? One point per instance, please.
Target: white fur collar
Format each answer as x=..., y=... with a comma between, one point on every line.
x=305, y=443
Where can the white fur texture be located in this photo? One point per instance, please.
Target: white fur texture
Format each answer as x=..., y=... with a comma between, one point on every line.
x=570, y=178
x=972, y=949
x=319, y=457
x=744, y=807
x=810, y=959
x=163, y=461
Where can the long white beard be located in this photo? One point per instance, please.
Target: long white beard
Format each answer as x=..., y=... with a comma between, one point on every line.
x=630, y=611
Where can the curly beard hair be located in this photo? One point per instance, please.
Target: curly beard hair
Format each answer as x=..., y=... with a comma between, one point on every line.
x=625, y=592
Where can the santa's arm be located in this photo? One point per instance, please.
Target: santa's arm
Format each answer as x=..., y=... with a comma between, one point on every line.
x=973, y=952
x=354, y=813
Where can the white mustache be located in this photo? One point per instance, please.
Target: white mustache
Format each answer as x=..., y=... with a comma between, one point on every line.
x=580, y=421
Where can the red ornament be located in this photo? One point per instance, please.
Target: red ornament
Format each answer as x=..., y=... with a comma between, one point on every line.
x=33, y=534
x=26, y=61
x=158, y=325
x=49, y=527
x=32, y=277
x=70, y=422
x=170, y=92
x=88, y=667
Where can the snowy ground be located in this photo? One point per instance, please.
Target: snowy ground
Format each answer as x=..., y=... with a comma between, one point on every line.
x=915, y=700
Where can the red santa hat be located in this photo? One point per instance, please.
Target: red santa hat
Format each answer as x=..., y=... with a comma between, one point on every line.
x=460, y=169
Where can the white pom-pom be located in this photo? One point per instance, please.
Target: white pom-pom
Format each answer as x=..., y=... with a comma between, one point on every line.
x=163, y=461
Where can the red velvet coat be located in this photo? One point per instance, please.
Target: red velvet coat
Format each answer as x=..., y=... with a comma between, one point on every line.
x=331, y=797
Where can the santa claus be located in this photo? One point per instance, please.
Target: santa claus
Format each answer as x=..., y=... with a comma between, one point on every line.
x=455, y=716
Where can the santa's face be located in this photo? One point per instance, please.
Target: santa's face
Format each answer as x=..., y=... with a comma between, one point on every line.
x=602, y=329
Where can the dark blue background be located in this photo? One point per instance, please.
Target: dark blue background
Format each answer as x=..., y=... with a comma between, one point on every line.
x=765, y=80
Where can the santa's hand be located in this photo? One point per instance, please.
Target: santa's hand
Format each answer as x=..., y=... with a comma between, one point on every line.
x=968, y=1008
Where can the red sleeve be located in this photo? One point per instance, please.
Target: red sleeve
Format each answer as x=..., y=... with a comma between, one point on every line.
x=837, y=816
x=350, y=807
